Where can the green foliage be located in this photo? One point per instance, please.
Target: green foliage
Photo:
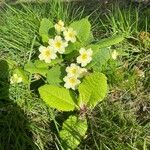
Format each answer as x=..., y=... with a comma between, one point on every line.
x=45, y=26
x=102, y=52
x=38, y=66
x=83, y=29
x=54, y=75
x=73, y=130
x=56, y=61
x=114, y=126
x=110, y=41
x=93, y=89
x=17, y=30
x=73, y=47
x=57, y=97
x=100, y=58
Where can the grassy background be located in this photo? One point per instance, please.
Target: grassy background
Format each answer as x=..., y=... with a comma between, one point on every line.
x=121, y=122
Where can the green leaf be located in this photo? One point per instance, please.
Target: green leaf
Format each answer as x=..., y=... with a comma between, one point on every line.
x=57, y=97
x=93, y=89
x=101, y=52
x=73, y=47
x=70, y=57
x=73, y=131
x=45, y=26
x=83, y=29
x=38, y=66
x=54, y=75
x=56, y=61
x=99, y=58
x=107, y=42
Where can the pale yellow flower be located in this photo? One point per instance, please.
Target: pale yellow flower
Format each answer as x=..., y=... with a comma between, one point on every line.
x=71, y=82
x=114, y=55
x=85, y=56
x=15, y=79
x=70, y=35
x=47, y=53
x=58, y=44
x=73, y=70
x=59, y=27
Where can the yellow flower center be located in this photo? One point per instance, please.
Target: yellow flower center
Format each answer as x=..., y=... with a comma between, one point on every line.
x=84, y=56
x=74, y=71
x=71, y=35
x=72, y=80
x=58, y=44
x=47, y=53
x=60, y=25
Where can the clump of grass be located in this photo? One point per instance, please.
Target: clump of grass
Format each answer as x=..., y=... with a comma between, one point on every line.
x=37, y=114
x=123, y=123
x=115, y=127
x=133, y=23
x=20, y=24
x=129, y=20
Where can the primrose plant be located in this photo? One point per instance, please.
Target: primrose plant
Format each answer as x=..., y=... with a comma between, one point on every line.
x=70, y=62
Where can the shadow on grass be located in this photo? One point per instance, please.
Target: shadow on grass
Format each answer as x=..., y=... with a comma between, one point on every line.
x=14, y=132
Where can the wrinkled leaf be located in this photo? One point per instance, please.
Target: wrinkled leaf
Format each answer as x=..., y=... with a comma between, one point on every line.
x=107, y=42
x=56, y=61
x=73, y=131
x=83, y=29
x=54, y=75
x=93, y=89
x=38, y=66
x=45, y=26
x=73, y=47
x=57, y=97
x=99, y=58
